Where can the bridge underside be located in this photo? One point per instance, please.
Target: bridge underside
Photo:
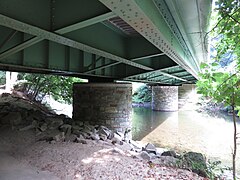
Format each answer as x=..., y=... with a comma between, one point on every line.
x=152, y=41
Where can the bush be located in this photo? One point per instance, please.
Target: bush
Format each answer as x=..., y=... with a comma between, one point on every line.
x=142, y=94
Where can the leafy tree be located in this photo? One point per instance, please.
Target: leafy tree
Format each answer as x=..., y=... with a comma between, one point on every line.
x=226, y=31
x=222, y=87
x=37, y=86
x=142, y=94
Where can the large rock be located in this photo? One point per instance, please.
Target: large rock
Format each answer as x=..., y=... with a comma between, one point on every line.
x=43, y=127
x=150, y=148
x=59, y=137
x=94, y=135
x=103, y=137
x=159, y=151
x=80, y=140
x=196, y=162
x=126, y=146
x=116, y=139
x=144, y=155
x=66, y=128
x=194, y=156
x=76, y=127
x=13, y=118
x=54, y=122
x=137, y=147
x=104, y=131
x=166, y=161
x=87, y=129
x=169, y=153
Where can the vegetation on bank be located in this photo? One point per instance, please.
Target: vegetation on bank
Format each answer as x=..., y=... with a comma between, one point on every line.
x=37, y=86
x=143, y=94
x=220, y=79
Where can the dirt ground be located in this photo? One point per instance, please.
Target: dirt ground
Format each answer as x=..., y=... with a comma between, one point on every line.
x=22, y=157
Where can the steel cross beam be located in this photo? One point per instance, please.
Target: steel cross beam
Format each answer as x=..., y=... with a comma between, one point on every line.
x=149, y=56
x=9, y=37
x=64, y=30
x=116, y=63
x=144, y=18
x=164, y=69
x=102, y=67
x=160, y=72
x=43, y=34
x=146, y=81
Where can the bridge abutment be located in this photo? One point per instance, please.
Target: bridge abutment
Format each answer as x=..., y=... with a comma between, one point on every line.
x=108, y=104
x=165, y=98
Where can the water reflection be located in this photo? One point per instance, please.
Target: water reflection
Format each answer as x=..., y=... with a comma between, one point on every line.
x=186, y=131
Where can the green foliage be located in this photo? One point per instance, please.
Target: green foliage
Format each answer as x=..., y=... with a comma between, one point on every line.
x=215, y=170
x=2, y=77
x=227, y=27
x=142, y=94
x=37, y=86
x=211, y=169
x=224, y=86
x=221, y=86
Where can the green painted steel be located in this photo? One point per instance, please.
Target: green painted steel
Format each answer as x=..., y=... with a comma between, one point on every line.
x=133, y=40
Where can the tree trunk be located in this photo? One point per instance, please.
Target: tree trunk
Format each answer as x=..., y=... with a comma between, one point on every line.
x=234, y=144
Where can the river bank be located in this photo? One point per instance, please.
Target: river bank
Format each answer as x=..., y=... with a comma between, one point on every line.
x=186, y=130
x=45, y=145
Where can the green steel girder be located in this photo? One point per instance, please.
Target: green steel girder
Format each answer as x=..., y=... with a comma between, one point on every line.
x=79, y=38
x=64, y=30
x=43, y=34
x=148, y=56
x=145, y=18
x=159, y=73
x=8, y=38
x=152, y=72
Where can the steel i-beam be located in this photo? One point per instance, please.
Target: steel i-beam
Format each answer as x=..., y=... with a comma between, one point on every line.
x=43, y=34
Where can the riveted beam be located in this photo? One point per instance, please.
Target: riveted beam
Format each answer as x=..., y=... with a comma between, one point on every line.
x=146, y=81
x=172, y=76
x=20, y=47
x=86, y=23
x=145, y=18
x=43, y=34
x=149, y=56
x=151, y=72
x=9, y=37
x=64, y=30
x=116, y=63
x=102, y=67
x=167, y=15
x=148, y=74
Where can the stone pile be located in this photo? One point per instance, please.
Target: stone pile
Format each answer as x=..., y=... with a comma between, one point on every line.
x=56, y=128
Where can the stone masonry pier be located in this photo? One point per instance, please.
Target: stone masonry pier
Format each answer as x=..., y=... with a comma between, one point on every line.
x=165, y=98
x=108, y=104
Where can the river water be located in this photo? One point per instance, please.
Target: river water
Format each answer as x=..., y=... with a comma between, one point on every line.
x=187, y=131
